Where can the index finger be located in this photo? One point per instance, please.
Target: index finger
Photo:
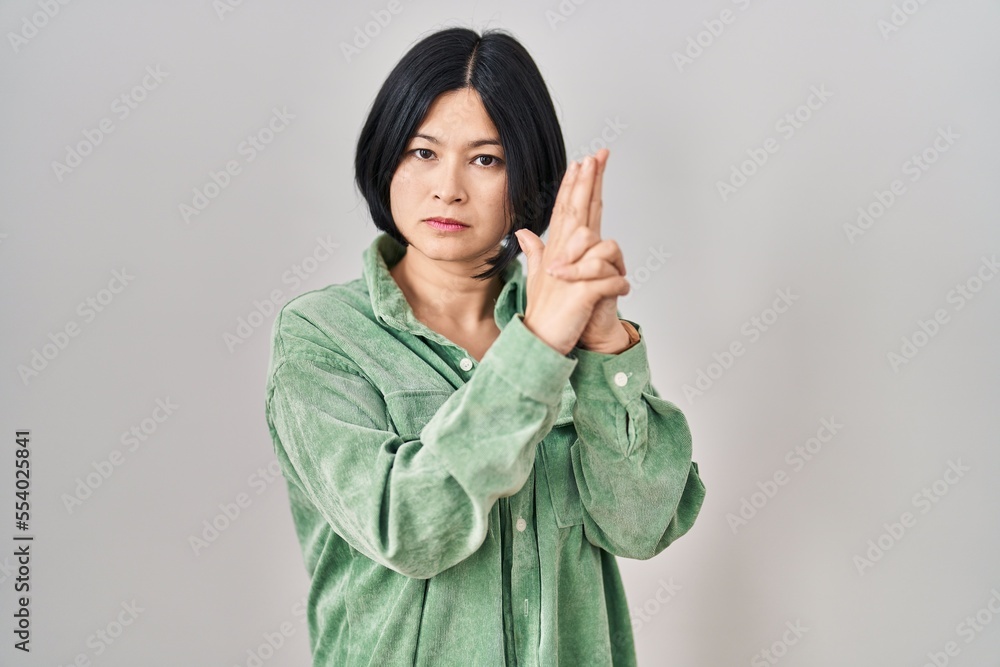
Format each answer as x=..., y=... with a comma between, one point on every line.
x=562, y=198
x=596, y=203
x=579, y=201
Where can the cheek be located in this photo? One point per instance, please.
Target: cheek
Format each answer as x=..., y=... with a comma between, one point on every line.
x=401, y=187
x=495, y=193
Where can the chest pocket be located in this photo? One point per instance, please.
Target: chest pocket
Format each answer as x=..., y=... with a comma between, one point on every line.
x=559, y=475
x=411, y=409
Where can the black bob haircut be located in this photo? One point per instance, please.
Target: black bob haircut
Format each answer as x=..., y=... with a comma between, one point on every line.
x=514, y=95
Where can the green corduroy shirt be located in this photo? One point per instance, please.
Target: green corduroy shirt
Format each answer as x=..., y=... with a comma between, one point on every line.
x=455, y=512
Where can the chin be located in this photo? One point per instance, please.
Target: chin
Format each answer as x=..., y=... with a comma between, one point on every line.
x=452, y=249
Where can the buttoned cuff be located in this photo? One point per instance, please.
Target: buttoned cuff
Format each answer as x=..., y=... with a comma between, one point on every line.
x=528, y=363
x=624, y=374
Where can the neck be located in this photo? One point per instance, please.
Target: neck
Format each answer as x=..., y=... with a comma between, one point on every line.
x=445, y=291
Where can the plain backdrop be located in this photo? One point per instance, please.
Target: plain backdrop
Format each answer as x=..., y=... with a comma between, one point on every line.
x=806, y=197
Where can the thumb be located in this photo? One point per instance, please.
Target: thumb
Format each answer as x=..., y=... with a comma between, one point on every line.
x=532, y=246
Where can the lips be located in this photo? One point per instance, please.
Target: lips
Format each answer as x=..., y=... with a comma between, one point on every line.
x=446, y=224
x=447, y=221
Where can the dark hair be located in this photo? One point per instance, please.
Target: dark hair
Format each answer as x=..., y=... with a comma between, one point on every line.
x=514, y=95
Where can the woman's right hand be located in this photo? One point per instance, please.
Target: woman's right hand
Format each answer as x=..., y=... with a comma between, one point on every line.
x=558, y=310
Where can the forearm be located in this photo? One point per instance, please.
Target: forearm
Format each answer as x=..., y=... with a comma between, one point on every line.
x=632, y=458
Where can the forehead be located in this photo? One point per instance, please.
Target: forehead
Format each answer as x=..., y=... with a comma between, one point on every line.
x=458, y=116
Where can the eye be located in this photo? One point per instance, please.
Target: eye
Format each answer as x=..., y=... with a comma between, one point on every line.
x=495, y=160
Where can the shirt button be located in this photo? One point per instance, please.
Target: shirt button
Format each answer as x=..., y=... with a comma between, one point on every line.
x=621, y=379
x=465, y=363
x=521, y=524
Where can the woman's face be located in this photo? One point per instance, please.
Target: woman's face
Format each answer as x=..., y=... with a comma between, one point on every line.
x=453, y=167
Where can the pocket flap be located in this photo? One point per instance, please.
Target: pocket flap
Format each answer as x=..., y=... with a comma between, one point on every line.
x=561, y=480
x=566, y=404
x=410, y=409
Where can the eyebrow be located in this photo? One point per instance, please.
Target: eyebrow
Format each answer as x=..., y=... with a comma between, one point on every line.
x=472, y=144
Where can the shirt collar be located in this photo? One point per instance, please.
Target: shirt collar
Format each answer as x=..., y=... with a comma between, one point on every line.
x=391, y=307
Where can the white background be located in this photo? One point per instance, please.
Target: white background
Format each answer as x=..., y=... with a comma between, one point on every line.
x=683, y=127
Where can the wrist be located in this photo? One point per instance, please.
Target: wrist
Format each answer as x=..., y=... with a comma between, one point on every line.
x=627, y=337
x=541, y=335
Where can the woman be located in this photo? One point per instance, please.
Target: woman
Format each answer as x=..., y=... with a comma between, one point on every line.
x=467, y=449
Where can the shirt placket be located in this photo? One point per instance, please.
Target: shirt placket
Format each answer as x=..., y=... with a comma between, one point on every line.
x=520, y=569
x=525, y=584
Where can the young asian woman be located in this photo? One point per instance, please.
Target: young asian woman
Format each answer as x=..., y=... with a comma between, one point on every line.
x=468, y=447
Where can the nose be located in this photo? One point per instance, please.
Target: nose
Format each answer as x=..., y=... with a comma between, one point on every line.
x=449, y=186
